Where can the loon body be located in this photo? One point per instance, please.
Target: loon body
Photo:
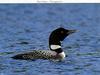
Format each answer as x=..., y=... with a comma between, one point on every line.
x=55, y=52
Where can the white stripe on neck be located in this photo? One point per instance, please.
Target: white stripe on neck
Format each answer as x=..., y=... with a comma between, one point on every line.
x=55, y=47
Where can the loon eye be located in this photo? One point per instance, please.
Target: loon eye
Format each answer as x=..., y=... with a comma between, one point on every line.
x=62, y=32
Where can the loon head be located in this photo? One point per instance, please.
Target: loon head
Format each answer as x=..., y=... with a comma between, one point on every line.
x=57, y=36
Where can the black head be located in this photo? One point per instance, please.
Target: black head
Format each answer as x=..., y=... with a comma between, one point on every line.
x=58, y=35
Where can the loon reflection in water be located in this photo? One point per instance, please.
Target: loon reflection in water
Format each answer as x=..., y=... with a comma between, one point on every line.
x=55, y=52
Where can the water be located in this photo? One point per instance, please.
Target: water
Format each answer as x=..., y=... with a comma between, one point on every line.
x=26, y=27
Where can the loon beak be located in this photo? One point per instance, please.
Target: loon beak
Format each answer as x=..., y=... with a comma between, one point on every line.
x=71, y=31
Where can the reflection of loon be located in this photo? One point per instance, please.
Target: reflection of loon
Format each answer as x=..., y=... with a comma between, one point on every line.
x=55, y=52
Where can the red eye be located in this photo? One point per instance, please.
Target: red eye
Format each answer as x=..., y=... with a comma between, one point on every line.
x=62, y=32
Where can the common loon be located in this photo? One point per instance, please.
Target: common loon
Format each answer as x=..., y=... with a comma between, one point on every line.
x=55, y=52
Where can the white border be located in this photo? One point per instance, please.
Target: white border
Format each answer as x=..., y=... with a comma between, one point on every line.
x=49, y=1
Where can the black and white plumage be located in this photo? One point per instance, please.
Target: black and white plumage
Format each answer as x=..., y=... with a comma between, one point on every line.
x=55, y=52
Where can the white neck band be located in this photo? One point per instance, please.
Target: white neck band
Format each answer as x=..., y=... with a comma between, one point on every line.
x=53, y=47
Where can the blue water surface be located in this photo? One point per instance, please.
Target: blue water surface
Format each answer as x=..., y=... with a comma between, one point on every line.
x=26, y=27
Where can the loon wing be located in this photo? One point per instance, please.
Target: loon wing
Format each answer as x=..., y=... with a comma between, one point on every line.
x=36, y=54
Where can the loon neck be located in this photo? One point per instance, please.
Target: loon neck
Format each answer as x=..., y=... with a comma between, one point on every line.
x=56, y=48
x=59, y=50
x=54, y=44
x=54, y=39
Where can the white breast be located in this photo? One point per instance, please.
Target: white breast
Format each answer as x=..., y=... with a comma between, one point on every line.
x=62, y=54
